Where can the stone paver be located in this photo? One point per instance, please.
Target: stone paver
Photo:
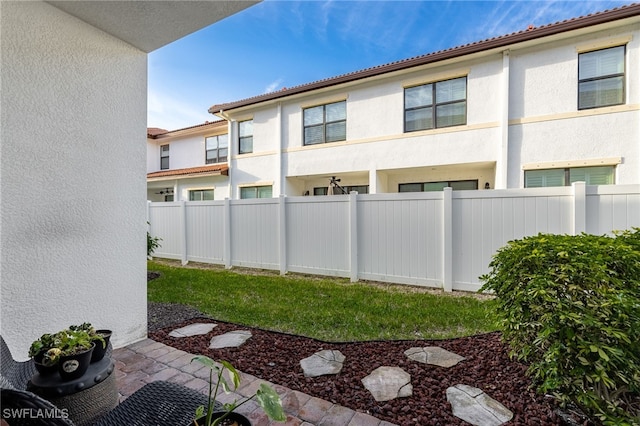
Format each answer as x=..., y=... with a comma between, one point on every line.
x=387, y=383
x=363, y=419
x=140, y=363
x=322, y=363
x=232, y=339
x=434, y=355
x=314, y=410
x=196, y=329
x=476, y=407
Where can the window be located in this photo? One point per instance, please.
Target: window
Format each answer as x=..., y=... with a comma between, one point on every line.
x=456, y=185
x=601, y=78
x=201, y=195
x=164, y=157
x=325, y=123
x=435, y=105
x=168, y=198
x=217, y=149
x=245, y=131
x=601, y=175
x=256, y=192
x=324, y=190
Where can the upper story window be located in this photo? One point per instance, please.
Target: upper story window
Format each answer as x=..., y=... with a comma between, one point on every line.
x=434, y=105
x=325, y=123
x=601, y=78
x=247, y=192
x=456, y=185
x=599, y=175
x=164, y=157
x=245, y=132
x=201, y=195
x=217, y=149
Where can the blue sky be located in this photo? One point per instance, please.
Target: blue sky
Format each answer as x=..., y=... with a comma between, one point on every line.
x=279, y=43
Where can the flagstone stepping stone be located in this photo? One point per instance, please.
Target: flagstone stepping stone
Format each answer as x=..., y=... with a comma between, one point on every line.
x=323, y=362
x=387, y=383
x=232, y=339
x=434, y=355
x=196, y=329
x=476, y=407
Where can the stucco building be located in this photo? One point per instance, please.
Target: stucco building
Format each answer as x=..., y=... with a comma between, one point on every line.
x=546, y=106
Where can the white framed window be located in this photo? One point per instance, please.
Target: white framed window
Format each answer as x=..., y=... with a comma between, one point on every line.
x=263, y=191
x=217, y=149
x=325, y=123
x=245, y=133
x=200, y=194
x=164, y=157
x=601, y=78
x=598, y=175
x=435, y=105
x=456, y=185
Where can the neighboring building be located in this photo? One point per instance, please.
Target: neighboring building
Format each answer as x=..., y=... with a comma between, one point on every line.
x=188, y=164
x=541, y=107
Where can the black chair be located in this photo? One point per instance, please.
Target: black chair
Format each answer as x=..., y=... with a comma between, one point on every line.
x=158, y=403
x=16, y=373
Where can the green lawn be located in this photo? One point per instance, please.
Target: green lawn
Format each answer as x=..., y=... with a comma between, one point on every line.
x=331, y=309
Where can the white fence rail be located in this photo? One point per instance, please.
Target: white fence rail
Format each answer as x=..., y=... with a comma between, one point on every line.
x=437, y=239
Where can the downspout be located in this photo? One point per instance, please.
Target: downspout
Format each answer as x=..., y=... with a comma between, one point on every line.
x=502, y=164
x=281, y=174
x=231, y=149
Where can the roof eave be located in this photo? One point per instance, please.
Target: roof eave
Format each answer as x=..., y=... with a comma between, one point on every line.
x=587, y=21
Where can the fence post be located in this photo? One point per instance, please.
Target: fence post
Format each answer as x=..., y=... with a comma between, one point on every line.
x=447, y=239
x=183, y=242
x=579, y=207
x=227, y=233
x=282, y=238
x=353, y=235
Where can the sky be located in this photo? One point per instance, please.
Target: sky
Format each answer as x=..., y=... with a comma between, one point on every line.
x=284, y=43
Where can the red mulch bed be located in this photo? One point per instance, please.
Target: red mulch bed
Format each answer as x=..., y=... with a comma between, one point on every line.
x=275, y=357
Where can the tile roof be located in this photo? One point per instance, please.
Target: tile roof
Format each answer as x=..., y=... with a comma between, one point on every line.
x=214, y=169
x=154, y=132
x=531, y=33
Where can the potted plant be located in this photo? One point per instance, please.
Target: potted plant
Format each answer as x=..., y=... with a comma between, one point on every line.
x=265, y=396
x=68, y=350
x=45, y=362
x=75, y=349
x=99, y=337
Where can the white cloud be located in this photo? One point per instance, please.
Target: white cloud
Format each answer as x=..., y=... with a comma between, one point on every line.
x=167, y=112
x=271, y=87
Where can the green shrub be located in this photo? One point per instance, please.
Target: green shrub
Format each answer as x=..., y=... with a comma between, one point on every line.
x=152, y=244
x=570, y=307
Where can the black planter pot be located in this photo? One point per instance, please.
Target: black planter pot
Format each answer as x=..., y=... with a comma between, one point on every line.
x=45, y=370
x=99, y=350
x=74, y=366
x=239, y=419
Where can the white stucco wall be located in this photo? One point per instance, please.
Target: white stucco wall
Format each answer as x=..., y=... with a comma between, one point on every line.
x=543, y=123
x=73, y=230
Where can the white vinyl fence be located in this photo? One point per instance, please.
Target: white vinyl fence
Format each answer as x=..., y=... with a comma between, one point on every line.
x=437, y=239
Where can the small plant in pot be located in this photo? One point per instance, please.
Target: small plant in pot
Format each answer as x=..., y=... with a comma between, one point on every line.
x=265, y=396
x=67, y=351
x=45, y=354
x=99, y=337
x=76, y=347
